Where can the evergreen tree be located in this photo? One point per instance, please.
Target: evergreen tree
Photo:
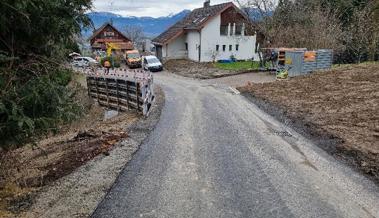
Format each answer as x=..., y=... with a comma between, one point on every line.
x=35, y=35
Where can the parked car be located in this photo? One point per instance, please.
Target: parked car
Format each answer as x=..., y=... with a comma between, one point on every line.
x=84, y=62
x=152, y=63
x=133, y=59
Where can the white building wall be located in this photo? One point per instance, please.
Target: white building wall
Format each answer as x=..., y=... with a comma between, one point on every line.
x=175, y=49
x=210, y=37
x=164, y=51
x=193, y=40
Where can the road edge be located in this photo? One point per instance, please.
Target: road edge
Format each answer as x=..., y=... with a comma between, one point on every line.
x=140, y=131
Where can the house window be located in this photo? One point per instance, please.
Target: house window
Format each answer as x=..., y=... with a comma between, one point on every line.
x=217, y=47
x=223, y=47
x=237, y=47
x=109, y=34
x=224, y=30
x=186, y=46
x=230, y=47
x=239, y=29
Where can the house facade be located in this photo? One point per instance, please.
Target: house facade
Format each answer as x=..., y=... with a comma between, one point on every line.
x=207, y=34
x=107, y=33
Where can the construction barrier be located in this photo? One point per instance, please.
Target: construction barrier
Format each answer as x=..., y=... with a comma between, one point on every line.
x=303, y=62
x=122, y=90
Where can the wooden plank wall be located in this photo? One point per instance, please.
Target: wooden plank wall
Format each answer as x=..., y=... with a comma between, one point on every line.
x=122, y=94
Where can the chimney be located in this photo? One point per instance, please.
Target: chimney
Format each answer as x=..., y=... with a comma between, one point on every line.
x=207, y=3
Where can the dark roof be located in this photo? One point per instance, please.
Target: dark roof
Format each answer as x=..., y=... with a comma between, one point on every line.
x=96, y=32
x=193, y=21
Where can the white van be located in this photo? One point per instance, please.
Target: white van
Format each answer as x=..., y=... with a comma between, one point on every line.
x=84, y=62
x=152, y=64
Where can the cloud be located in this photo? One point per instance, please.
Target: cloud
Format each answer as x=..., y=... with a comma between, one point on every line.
x=151, y=8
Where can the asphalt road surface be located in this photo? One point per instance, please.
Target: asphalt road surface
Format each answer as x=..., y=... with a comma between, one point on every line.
x=215, y=154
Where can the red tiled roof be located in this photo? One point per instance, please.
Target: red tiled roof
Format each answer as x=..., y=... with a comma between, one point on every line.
x=193, y=21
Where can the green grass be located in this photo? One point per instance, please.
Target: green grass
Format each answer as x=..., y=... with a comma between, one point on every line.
x=243, y=65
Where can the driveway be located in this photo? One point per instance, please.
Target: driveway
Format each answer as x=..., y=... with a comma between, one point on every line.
x=215, y=154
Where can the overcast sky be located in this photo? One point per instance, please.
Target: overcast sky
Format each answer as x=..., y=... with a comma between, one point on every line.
x=151, y=8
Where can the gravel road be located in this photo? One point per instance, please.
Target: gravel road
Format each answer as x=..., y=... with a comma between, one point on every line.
x=215, y=154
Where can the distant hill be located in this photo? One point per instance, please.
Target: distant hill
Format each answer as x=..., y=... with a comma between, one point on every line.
x=151, y=26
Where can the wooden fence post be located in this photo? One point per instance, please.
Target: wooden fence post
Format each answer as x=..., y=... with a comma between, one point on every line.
x=118, y=96
x=137, y=96
x=107, y=91
x=127, y=95
x=97, y=90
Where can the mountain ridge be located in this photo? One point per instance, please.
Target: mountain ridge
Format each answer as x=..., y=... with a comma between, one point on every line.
x=151, y=26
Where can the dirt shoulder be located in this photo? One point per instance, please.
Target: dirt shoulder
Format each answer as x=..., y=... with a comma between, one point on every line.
x=338, y=109
x=67, y=174
x=244, y=79
x=197, y=70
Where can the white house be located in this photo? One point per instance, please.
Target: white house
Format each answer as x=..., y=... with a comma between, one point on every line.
x=207, y=34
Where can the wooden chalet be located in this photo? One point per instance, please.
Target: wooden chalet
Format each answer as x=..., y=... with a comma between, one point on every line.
x=107, y=33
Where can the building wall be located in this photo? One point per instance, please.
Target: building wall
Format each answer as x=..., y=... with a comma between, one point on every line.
x=108, y=34
x=164, y=51
x=176, y=49
x=210, y=37
x=193, y=40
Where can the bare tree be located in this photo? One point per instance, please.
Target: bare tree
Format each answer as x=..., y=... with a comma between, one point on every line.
x=311, y=24
x=319, y=29
x=135, y=33
x=362, y=35
x=260, y=12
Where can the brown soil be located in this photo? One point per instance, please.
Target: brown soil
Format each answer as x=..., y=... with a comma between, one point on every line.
x=197, y=70
x=340, y=105
x=25, y=170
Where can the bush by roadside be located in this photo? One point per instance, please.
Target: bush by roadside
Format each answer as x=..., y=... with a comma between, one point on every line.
x=35, y=106
x=34, y=97
x=72, y=171
x=27, y=169
x=338, y=108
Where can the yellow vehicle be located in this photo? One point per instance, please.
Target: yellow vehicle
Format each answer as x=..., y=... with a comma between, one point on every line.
x=133, y=59
x=111, y=55
x=110, y=48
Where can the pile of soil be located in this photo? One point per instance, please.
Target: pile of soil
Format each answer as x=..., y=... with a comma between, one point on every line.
x=197, y=70
x=338, y=108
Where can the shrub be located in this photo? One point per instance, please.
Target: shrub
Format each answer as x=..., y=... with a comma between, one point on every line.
x=35, y=38
x=38, y=106
x=115, y=61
